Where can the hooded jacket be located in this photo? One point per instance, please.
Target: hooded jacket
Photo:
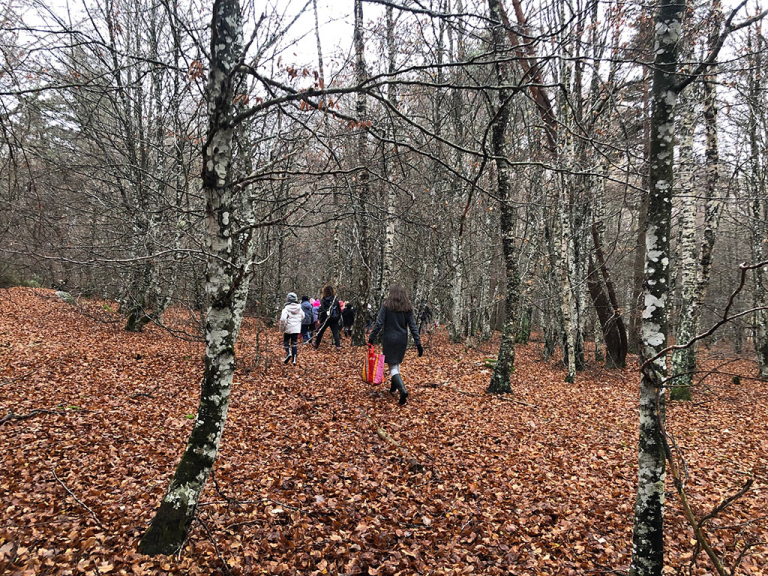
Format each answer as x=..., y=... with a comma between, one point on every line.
x=291, y=317
x=306, y=308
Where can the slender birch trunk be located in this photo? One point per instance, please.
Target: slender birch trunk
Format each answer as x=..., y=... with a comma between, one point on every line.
x=553, y=330
x=363, y=187
x=506, y=358
x=567, y=261
x=566, y=266
x=648, y=529
x=436, y=189
x=457, y=187
x=336, y=258
x=579, y=279
x=388, y=250
x=759, y=207
x=225, y=287
x=684, y=360
x=598, y=219
x=636, y=305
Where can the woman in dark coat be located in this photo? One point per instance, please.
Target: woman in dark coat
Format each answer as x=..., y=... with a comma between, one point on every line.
x=394, y=321
x=330, y=316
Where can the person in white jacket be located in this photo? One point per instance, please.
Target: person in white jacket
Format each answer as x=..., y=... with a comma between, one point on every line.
x=290, y=325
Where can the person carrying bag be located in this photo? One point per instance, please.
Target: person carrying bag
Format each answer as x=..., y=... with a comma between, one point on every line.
x=394, y=321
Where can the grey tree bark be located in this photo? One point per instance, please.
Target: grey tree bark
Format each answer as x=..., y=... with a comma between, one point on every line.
x=506, y=358
x=759, y=202
x=648, y=528
x=362, y=189
x=388, y=250
x=226, y=288
x=695, y=285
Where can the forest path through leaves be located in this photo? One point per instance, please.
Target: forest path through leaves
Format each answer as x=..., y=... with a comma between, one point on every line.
x=505, y=488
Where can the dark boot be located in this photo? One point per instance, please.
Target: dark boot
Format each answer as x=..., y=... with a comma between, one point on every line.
x=398, y=382
x=393, y=386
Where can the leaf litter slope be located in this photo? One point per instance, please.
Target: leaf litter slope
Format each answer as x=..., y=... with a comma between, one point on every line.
x=303, y=483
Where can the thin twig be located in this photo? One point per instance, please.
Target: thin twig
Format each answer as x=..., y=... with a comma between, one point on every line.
x=215, y=547
x=83, y=504
x=17, y=378
x=13, y=416
x=727, y=501
x=696, y=525
x=145, y=394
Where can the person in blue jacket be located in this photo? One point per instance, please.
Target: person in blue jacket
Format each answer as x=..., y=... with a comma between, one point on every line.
x=394, y=321
x=307, y=324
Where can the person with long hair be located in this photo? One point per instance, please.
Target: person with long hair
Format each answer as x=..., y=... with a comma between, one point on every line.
x=330, y=316
x=394, y=321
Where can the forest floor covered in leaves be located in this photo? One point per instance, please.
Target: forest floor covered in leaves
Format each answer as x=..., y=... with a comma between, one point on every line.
x=541, y=482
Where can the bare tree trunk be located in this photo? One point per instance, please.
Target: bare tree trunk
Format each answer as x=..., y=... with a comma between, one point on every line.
x=684, y=360
x=363, y=188
x=566, y=266
x=598, y=230
x=388, y=250
x=636, y=307
x=648, y=529
x=759, y=207
x=226, y=286
x=506, y=358
x=607, y=307
x=457, y=186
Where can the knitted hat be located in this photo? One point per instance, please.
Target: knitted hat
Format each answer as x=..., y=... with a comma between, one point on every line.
x=291, y=298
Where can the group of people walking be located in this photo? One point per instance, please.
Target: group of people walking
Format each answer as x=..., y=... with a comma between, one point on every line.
x=395, y=319
x=310, y=319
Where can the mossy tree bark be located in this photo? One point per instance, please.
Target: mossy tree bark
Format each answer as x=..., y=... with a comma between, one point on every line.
x=226, y=274
x=506, y=359
x=648, y=529
x=682, y=364
x=362, y=192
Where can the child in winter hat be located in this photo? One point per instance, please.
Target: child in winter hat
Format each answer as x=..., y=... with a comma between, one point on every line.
x=290, y=325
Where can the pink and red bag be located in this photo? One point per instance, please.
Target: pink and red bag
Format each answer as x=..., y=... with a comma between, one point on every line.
x=373, y=369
